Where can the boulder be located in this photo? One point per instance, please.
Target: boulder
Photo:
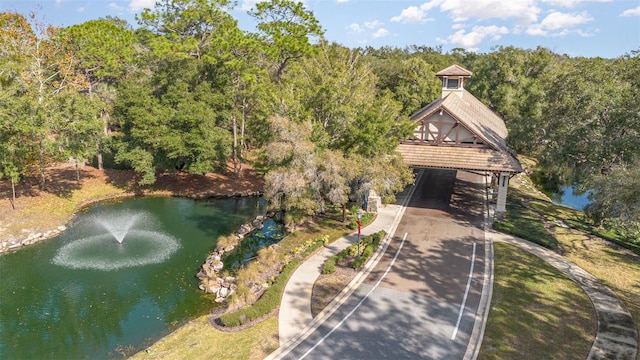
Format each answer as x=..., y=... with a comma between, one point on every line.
x=217, y=265
x=257, y=224
x=244, y=229
x=214, y=288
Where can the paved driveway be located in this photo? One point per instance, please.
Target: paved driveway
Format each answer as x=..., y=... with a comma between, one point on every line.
x=421, y=298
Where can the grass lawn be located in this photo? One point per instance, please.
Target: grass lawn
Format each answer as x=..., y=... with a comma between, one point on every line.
x=536, y=312
x=199, y=340
x=616, y=267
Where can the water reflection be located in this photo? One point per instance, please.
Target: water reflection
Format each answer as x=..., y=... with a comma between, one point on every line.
x=48, y=311
x=571, y=196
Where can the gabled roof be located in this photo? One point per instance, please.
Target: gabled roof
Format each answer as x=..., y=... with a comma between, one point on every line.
x=471, y=113
x=478, y=119
x=454, y=70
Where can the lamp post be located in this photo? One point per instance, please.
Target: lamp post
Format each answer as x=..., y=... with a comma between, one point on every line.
x=359, y=215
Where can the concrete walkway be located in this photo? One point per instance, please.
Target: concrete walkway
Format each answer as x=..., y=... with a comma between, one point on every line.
x=295, y=308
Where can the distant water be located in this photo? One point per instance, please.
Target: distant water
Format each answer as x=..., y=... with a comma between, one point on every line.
x=570, y=197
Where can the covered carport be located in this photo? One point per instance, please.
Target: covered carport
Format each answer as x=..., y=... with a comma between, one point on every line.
x=457, y=131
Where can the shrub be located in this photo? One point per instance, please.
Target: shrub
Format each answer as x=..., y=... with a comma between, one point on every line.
x=329, y=266
x=265, y=304
x=270, y=299
x=368, y=246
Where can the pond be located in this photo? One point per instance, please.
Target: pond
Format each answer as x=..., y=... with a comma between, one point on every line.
x=120, y=277
x=571, y=197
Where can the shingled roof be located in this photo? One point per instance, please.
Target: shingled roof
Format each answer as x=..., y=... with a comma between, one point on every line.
x=454, y=70
x=494, y=155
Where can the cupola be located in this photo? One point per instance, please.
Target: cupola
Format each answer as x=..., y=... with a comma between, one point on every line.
x=453, y=79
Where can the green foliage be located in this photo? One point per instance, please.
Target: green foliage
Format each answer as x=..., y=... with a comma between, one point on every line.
x=524, y=222
x=329, y=266
x=105, y=48
x=616, y=196
x=286, y=29
x=270, y=299
x=267, y=302
x=368, y=246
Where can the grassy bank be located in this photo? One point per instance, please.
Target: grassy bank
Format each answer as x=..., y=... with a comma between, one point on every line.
x=199, y=340
x=41, y=211
x=617, y=267
x=536, y=312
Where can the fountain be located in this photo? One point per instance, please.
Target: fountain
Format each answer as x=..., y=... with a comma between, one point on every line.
x=144, y=244
x=119, y=225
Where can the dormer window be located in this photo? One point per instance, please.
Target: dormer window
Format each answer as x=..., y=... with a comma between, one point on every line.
x=452, y=83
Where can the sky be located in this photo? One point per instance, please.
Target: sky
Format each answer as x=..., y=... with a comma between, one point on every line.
x=590, y=28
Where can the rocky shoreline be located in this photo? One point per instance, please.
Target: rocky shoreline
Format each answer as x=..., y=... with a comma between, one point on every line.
x=210, y=280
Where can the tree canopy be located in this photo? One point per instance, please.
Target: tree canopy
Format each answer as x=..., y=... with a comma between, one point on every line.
x=187, y=90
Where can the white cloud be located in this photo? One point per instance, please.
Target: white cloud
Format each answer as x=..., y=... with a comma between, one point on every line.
x=343, y=1
x=137, y=5
x=116, y=7
x=247, y=5
x=470, y=40
x=410, y=15
x=355, y=28
x=557, y=20
x=80, y=9
x=372, y=24
x=525, y=11
x=380, y=33
x=631, y=12
x=571, y=3
x=559, y=24
x=415, y=14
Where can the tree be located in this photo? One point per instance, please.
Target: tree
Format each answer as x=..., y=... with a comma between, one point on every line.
x=286, y=27
x=336, y=134
x=615, y=200
x=16, y=155
x=188, y=28
x=104, y=48
x=514, y=83
x=41, y=67
x=336, y=90
x=408, y=77
x=80, y=126
x=596, y=122
x=291, y=183
x=173, y=130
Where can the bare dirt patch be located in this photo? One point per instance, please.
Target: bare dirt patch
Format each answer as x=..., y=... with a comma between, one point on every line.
x=328, y=286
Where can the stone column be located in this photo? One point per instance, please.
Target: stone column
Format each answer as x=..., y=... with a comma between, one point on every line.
x=503, y=185
x=373, y=202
